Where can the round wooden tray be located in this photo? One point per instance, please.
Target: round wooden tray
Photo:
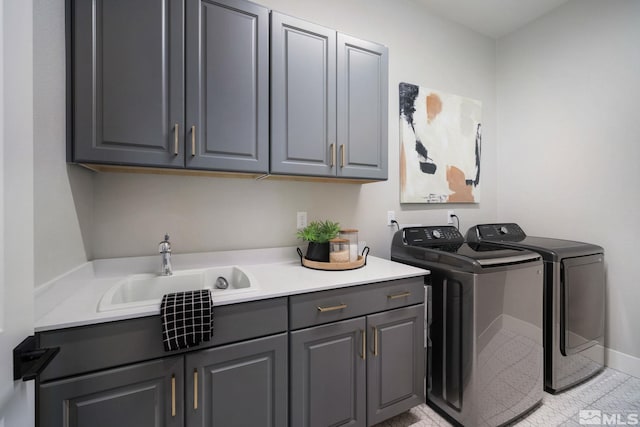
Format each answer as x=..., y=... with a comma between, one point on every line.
x=335, y=266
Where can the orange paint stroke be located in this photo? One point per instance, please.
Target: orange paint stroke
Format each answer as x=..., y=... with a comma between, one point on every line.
x=434, y=106
x=457, y=183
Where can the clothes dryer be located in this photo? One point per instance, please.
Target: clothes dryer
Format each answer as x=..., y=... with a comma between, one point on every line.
x=574, y=301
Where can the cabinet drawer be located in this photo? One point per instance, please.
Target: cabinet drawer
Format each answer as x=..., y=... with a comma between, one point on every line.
x=337, y=304
x=94, y=347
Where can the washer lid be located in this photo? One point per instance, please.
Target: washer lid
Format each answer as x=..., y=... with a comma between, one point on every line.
x=444, y=246
x=511, y=235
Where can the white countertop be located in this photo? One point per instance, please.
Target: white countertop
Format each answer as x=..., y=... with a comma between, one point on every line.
x=72, y=299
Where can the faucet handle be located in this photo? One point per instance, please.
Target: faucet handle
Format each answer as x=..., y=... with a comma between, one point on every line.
x=165, y=245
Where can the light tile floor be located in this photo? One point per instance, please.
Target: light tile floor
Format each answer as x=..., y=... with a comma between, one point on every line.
x=614, y=398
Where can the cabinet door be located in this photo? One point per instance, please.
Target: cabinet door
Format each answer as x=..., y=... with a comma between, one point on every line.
x=143, y=395
x=303, y=97
x=362, y=108
x=128, y=82
x=227, y=86
x=238, y=385
x=396, y=366
x=328, y=375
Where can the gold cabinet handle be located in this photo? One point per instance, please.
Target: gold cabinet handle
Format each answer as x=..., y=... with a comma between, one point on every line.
x=332, y=308
x=176, y=145
x=173, y=395
x=332, y=147
x=400, y=295
x=342, y=155
x=375, y=341
x=193, y=140
x=195, y=389
x=363, y=334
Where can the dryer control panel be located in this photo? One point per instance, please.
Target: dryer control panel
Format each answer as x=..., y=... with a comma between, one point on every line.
x=507, y=232
x=441, y=235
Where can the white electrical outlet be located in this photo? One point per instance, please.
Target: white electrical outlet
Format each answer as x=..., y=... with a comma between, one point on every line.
x=391, y=216
x=450, y=217
x=301, y=220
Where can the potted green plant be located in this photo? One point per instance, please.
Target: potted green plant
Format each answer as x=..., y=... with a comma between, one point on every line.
x=318, y=234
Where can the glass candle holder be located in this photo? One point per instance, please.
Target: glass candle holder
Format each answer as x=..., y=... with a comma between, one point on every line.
x=352, y=236
x=338, y=250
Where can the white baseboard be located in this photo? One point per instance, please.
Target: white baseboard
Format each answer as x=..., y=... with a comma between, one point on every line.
x=622, y=362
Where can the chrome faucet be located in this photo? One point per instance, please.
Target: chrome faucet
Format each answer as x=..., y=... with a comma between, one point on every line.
x=165, y=252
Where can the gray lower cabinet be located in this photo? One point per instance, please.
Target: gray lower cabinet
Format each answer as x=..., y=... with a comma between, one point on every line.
x=238, y=385
x=358, y=372
x=328, y=102
x=396, y=369
x=328, y=370
x=356, y=354
x=147, y=394
x=118, y=373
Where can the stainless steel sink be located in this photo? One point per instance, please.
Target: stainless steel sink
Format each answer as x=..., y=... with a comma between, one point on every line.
x=143, y=290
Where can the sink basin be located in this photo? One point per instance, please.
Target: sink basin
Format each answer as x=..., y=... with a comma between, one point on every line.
x=142, y=290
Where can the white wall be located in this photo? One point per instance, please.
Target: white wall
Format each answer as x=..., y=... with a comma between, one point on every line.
x=569, y=140
x=17, y=406
x=63, y=194
x=132, y=212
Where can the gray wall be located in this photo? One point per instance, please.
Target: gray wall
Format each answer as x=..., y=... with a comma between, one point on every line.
x=569, y=141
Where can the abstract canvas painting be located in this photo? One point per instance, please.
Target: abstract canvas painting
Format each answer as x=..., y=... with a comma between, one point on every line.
x=440, y=146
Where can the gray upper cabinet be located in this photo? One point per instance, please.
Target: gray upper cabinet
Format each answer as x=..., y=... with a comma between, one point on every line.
x=227, y=69
x=213, y=85
x=303, y=97
x=131, y=74
x=362, y=108
x=328, y=102
x=143, y=395
x=128, y=81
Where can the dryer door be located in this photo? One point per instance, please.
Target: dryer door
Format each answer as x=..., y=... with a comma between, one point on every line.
x=582, y=303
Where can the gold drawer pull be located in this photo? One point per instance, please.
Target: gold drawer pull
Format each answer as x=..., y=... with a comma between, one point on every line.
x=332, y=308
x=193, y=141
x=195, y=389
x=176, y=139
x=400, y=295
x=173, y=395
x=332, y=147
x=375, y=341
x=363, y=334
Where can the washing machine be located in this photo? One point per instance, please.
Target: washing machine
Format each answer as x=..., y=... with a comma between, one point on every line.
x=574, y=301
x=484, y=325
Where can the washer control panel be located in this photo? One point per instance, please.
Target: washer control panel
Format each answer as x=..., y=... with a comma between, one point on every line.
x=432, y=236
x=507, y=232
